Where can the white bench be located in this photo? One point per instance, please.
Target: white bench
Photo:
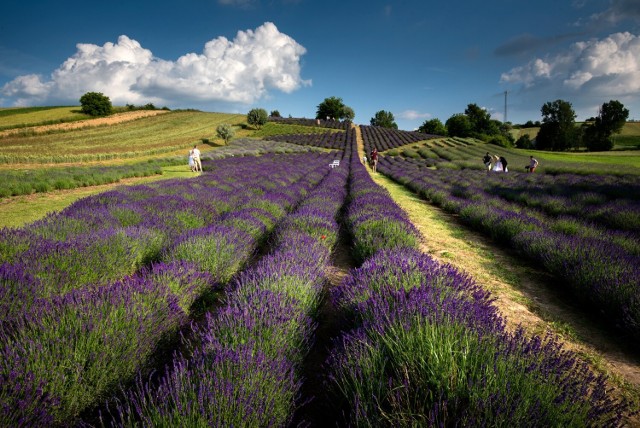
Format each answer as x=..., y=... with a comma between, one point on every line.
x=335, y=163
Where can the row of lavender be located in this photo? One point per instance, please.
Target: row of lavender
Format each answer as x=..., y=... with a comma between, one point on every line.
x=427, y=347
x=608, y=201
x=244, y=369
x=600, y=265
x=90, y=294
x=324, y=123
x=386, y=138
x=604, y=201
x=327, y=140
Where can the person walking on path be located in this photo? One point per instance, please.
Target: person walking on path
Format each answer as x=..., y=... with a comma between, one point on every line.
x=533, y=164
x=196, y=158
x=374, y=159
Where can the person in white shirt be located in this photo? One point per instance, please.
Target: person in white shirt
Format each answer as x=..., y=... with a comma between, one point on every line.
x=196, y=158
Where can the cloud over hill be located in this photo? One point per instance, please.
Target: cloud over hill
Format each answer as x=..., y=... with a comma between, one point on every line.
x=604, y=69
x=242, y=70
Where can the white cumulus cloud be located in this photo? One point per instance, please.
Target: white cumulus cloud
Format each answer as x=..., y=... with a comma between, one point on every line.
x=413, y=115
x=586, y=74
x=610, y=66
x=242, y=70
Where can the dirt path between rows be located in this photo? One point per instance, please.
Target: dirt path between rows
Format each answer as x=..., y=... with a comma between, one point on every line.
x=318, y=412
x=88, y=123
x=524, y=296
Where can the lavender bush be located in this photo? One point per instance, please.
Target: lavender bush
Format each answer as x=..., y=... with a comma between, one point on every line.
x=595, y=260
x=266, y=315
x=429, y=349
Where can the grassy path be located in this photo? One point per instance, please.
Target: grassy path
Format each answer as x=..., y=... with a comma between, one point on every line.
x=523, y=295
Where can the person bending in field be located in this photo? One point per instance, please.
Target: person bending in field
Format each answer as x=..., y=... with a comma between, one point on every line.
x=374, y=159
x=196, y=158
x=533, y=164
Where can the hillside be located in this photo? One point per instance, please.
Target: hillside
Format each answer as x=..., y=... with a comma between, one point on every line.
x=237, y=256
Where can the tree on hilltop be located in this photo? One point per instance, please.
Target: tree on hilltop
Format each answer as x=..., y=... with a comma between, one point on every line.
x=610, y=120
x=458, y=125
x=96, y=104
x=433, y=127
x=257, y=117
x=333, y=108
x=557, y=131
x=384, y=119
x=348, y=113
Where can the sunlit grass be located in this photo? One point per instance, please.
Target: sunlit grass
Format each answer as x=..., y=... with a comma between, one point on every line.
x=20, y=210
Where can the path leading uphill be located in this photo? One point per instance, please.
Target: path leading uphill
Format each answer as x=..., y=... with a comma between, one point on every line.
x=524, y=296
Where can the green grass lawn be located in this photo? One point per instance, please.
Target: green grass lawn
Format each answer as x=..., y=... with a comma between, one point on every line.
x=20, y=210
x=33, y=116
x=154, y=135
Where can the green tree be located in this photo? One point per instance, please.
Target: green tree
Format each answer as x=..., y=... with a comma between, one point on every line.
x=332, y=108
x=384, y=119
x=595, y=138
x=433, y=126
x=348, y=113
x=613, y=116
x=598, y=136
x=225, y=131
x=500, y=140
x=558, y=131
x=480, y=120
x=96, y=104
x=257, y=117
x=275, y=113
x=524, y=142
x=458, y=125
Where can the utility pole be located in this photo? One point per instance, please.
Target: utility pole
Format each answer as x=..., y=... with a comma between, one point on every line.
x=505, y=106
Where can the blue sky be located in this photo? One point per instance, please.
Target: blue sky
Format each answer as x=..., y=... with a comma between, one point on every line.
x=419, y=60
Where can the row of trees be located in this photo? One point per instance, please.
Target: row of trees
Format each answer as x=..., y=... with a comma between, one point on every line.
x=98, y=104
x=475, y=122
x=558, y=131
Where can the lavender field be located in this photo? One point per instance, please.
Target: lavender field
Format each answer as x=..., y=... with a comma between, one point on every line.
x=196, y=302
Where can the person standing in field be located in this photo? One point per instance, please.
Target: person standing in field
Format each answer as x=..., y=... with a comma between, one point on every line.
x=497, y=165
x=196, y=158
x=487, y=161
x=191, y=162
x=503, y=161
x=374, y=159
x=533, y=164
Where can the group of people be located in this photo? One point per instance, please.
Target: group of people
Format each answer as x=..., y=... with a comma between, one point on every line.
x=495, y=163
x=194, y=159
x=499, y=163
